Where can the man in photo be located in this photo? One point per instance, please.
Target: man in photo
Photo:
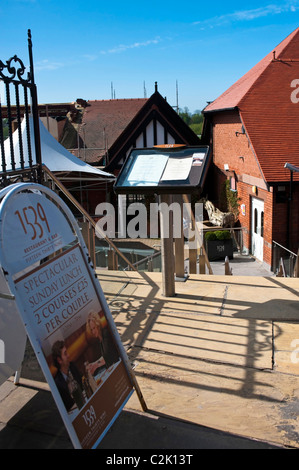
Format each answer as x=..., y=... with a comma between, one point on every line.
x=68, y=379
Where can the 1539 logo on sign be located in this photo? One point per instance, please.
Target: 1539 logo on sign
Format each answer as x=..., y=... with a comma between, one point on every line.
x=34, y=228
x=89, y=416
x=33, y=220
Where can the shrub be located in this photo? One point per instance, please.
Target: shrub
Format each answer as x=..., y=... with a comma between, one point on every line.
x=210, y=236
x=218, y=235
x=223, y=235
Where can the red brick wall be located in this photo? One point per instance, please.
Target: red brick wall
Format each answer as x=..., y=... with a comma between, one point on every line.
x=231, y=149
x=280, y=220
x=245, y=220
x=286, y=228
x=227, y=149
x=268, y=225
x=294, y=220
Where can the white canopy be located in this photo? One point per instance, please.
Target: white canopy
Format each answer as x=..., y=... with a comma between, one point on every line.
x=56, y=157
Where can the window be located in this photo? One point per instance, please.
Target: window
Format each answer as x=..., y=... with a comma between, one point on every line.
x=131, y=198
x=255, y=220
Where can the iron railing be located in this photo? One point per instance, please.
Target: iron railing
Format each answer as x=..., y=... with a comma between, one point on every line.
x=21, y=154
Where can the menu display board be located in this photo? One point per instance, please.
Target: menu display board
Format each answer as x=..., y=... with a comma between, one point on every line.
x=163, y=170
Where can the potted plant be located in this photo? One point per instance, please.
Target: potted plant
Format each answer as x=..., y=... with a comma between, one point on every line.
x=219, y=244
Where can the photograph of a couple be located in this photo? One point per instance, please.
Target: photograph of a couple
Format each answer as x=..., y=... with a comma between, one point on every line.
x=82, y=361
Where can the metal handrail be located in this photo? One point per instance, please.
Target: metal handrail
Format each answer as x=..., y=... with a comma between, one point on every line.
x=143, y=260
x=279, y=265
x=284, y=248
x=215, y=228
x=85, y=214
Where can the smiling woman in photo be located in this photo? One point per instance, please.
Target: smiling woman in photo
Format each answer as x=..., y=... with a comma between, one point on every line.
x=103, y=346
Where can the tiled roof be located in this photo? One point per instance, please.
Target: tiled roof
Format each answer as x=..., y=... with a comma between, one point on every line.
x=270, y=117
x=233, y=95
x=102, y=123
x=156, y=107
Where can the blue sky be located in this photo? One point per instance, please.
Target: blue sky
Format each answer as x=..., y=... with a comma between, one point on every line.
x=81, y=47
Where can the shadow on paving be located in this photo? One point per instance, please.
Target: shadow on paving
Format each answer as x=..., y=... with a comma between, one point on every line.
x=148, y=323
x=38, y=425
x=154, y=430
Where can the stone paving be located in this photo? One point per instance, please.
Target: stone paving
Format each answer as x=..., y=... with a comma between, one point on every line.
x=217, y=365
x=219, y=353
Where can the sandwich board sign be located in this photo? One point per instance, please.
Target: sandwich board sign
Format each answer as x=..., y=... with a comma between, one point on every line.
x=64, y=311
x=12, y=333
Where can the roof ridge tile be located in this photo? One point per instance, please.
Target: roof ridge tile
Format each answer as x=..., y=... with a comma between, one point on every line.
x=232, y=97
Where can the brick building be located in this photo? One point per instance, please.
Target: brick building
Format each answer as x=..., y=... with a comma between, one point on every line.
x=108, y=130
x=253, y=129
x=103, y=132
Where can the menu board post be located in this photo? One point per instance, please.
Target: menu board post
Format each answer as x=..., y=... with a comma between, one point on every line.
x=166, y=171
x=167, y=258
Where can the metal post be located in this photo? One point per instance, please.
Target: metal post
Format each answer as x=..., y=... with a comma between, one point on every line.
x=33, y=90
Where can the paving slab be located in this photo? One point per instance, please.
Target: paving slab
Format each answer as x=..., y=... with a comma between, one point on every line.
x=234, y=341
x=207, y=355
x=286, y=350
x=217, y=361
x=248, y=402
x=29, y=418
x=38, y=425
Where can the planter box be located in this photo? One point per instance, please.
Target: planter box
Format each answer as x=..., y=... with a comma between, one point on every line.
x=219, y=249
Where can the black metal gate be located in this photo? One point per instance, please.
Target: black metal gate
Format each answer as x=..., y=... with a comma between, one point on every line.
x=20, y=155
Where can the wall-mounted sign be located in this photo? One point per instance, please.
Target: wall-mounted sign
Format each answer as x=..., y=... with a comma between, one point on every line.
x=64, y=311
